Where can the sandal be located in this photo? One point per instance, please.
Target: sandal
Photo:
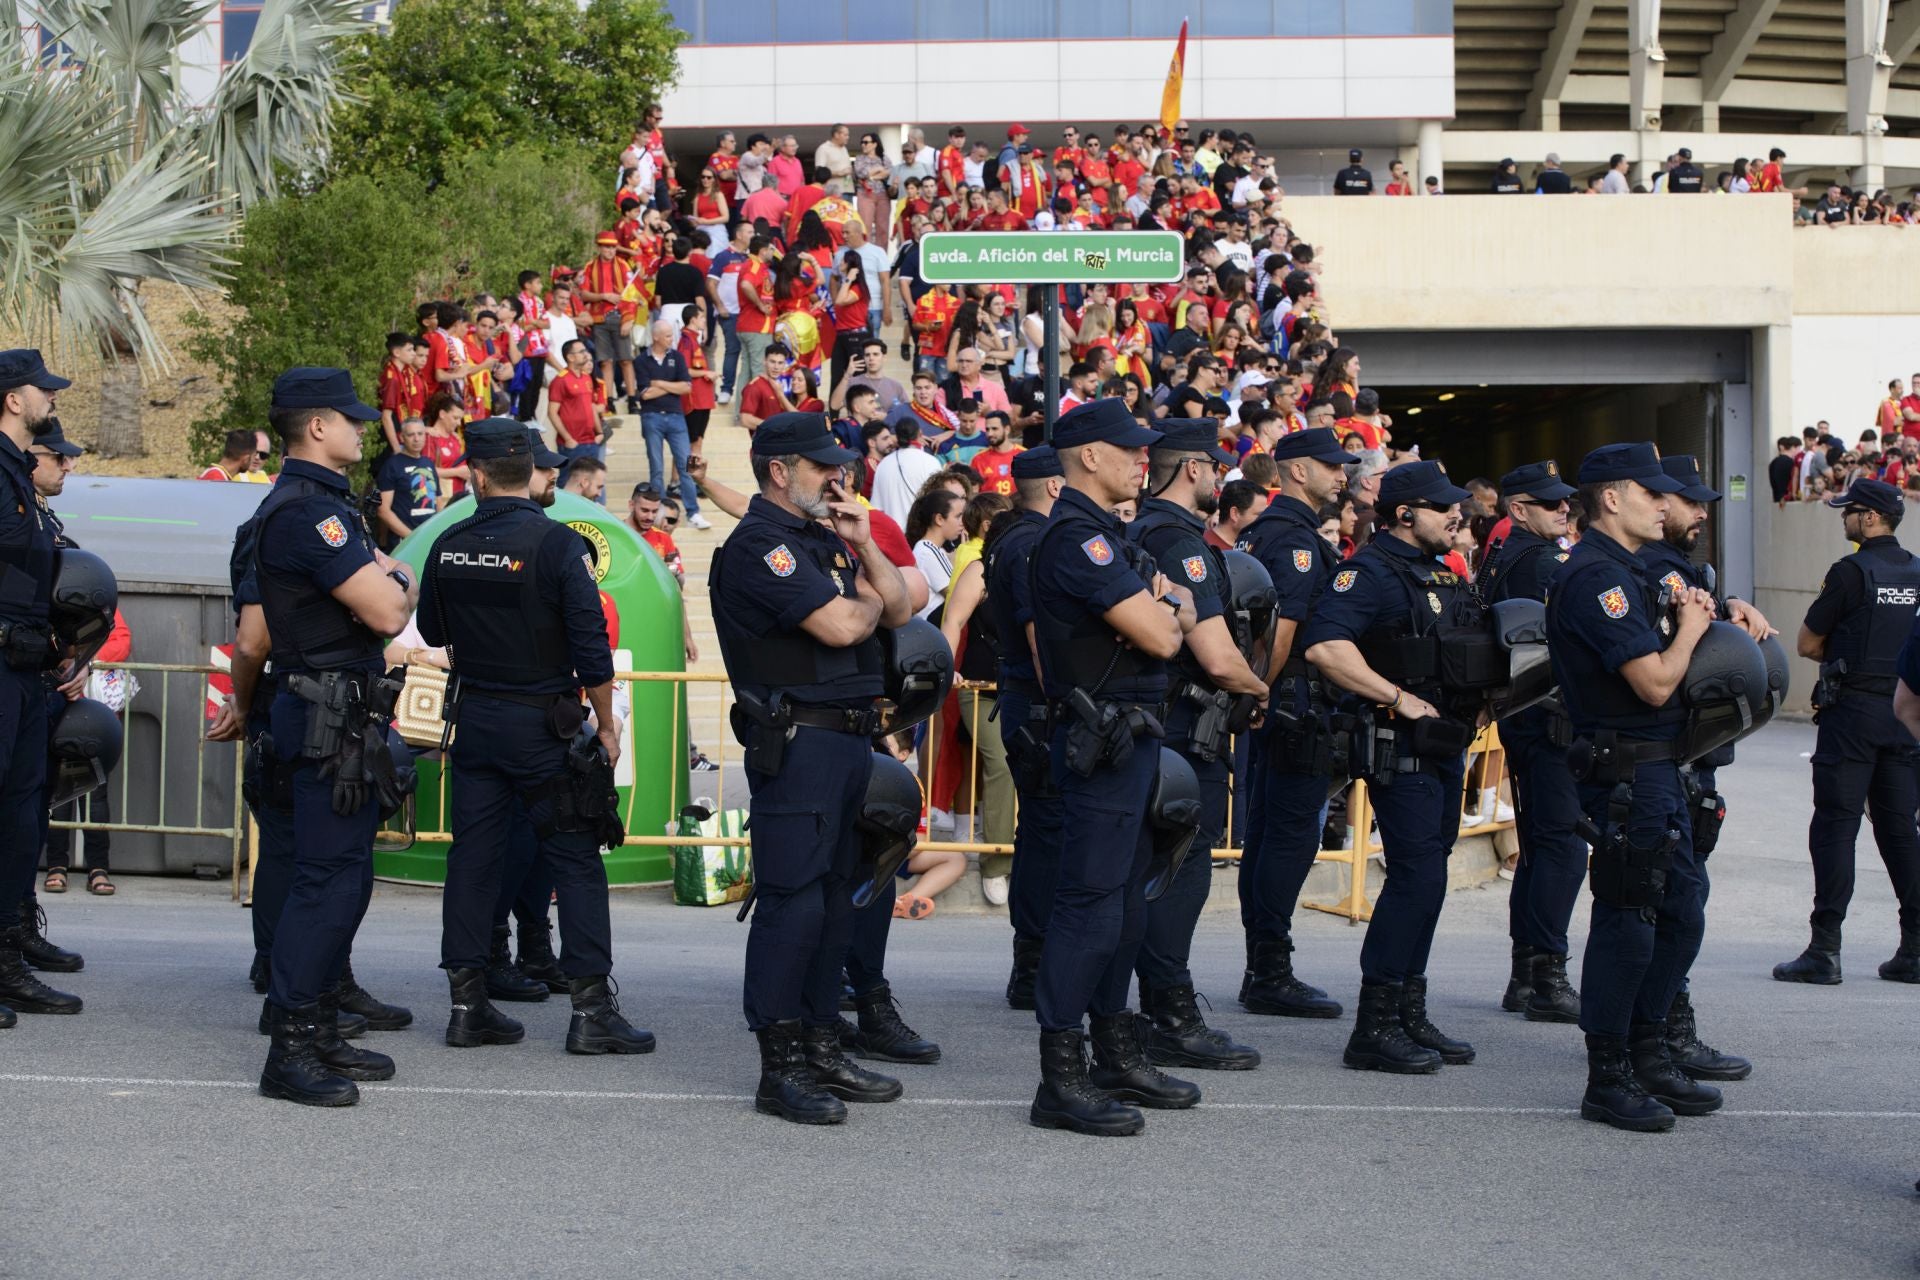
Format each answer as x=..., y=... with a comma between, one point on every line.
x=56, y=881
x=912, y=906
x=97, y=882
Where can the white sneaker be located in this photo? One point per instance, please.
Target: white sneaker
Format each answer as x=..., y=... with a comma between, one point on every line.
x=995, y=889
x=940, y=820
x=725, y=397
x=698, y=521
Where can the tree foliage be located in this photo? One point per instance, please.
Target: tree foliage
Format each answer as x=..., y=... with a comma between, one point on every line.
x=453, y=78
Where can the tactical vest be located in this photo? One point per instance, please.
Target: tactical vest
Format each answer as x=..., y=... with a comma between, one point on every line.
x=1326, y=563
x=1441, y=648
x=1008, y=556
x=311, y=630
x=1086, y=653
x=1154, y=532
x=26, y=567
x=486, y=584
x=1504, y=566
x=1869, y=638
x=1611, y=701
x=792, y=661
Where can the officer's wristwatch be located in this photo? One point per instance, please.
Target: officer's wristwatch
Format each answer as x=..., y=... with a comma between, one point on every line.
x=400, y=576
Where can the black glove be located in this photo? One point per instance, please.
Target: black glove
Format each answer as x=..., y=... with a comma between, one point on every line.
x=348, y=773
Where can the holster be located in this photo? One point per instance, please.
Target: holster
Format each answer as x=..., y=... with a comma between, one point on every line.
x=26, y=647
x=1212, y=709
x=1029, y=757
x=1624, y=873
x=266, y=782
x=1102, y=733
x=583, y=796
x=336, y=708
x=1314, y=743
x=762, y=728
x=1708, y=811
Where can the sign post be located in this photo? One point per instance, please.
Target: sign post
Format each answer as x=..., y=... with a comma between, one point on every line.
x=1052, y=259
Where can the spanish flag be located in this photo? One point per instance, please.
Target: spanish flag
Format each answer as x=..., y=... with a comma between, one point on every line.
x=1176, y=72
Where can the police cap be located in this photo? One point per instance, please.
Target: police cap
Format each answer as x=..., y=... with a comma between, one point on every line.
x=544, y=458
x=1874, y=495
x=1636, y=461
x=1106, y=420
x=1418, y=482
x=492, y=438
x=1536, y=480
x=1318, y=443
x=805, y=434
x=1194, y=435
x=312, y=387
x=55, y=438
x=1037, y=464
x=1685, y=468
x=23, y=367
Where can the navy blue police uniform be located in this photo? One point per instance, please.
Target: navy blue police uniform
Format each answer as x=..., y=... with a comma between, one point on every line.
x=1391, y=601
x=1605, y=608
x=1195, y=721
x=27, y=564
x=1082, y=566
x=1022, y=712
x=511, y=595
x=1292, y=753
x=1553, y=859
x=1863, y=757
x=805, y=712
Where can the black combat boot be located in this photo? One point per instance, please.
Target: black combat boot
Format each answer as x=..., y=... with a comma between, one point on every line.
x=294, y=1071
x=1067, y=1099
x=7, y=1017
x=335, y=1054
x=1175, y=1035
x=1378, y=1042
x=356, y=999
x=474, y=1020
x=261, y=973
x=883, y=1036
x=1274, y=990
x=787, y=1088
x=1026, y=970
x=1121, y=1068
x=1819, y=964
x=19, y=989
x=537, y=960
x=39, y=953
x=505, y=979
x=597, y=1025
x=1664, y=1082
x=1520, y=981
x=1246, y=974
x=350, y=1026
x=1905, y=965
x=1553, y=998
x=1420, y=1029
x=1613, y=1095
x=836, y=1073
x=1699, y=1060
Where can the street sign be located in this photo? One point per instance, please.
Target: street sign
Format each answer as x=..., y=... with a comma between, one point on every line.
x=1052, y=257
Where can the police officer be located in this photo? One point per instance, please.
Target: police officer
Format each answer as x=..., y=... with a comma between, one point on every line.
x=1863, y=757
x=798, y=592
x=1291, y=753
x=1022, y=713
x=1354, y=180
x=1672, y=562
x=1553, y=858
x=1377, y=634
x=1619, y=658
x=1685, y=178
x=1104, y=625
x=27, y=402
x=1209, y=673
x=328, y=595
x=511, y=595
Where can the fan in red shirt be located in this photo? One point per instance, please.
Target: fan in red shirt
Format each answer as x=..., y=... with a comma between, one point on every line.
x=1910, y=411
x=933, y=320
x=756, y=277
x=574, y=399
x=1031, y=177
x=1069, y=150
x=726, y=167
x=952, y=164
x=999, y=216
x=994, y=465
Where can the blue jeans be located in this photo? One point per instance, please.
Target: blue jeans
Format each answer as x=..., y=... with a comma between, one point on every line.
x=729, y=362
x=936, y=365
x=671, y=428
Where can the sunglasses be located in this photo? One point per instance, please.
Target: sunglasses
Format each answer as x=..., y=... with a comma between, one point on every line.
x=671, y=521
x=1856, y=511
x=1558, y=504
x=1427, y=504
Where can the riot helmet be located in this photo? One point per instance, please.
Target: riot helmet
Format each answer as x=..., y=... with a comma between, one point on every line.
x=1520, y=627
x=889, y=817
x=1173, y=816
x=1251, y=600
x=85, y=594
x=82, y=749
x=1726, y=690
x=917, y=666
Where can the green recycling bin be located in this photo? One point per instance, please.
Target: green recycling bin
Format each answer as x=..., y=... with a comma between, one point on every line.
x=643, y=607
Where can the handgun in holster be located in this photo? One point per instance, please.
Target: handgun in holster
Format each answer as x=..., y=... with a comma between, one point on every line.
x=1029, y=756
x=1827, y=689
x=1707, y=810
x=336, y=708
x=1378, y=745
x=1626, y=873
x=25, y=647
x=1207, y=736
x=763, y=728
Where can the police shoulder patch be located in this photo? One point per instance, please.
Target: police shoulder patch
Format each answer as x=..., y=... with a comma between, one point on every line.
x=1302, y=561
x=332, y=532
x=1098, y=550
x=1562, y=556
x=781, y=561
x=1613, y=602
x=1343, y=580
x=1674, y=581
x=1195, y=567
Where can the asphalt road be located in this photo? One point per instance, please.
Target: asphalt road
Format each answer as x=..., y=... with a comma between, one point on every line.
x=139, y=1148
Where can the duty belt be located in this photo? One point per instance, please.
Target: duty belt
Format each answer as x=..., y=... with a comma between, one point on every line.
x=861, y=722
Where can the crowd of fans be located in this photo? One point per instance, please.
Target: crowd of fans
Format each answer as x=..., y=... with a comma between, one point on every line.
x=1820, y=464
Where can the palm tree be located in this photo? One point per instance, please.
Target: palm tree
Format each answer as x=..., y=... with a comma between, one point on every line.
x=109, y=177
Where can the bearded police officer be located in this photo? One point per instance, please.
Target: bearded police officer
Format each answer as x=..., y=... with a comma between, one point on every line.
x=1864, y=758
x=27, y=562
x=511, y=595
x=1104, y=624
x=1293, y=753
x=1553, y=858
x=798, y=592
x=1022, y=712
x=1377, y=633
x=1619, y=658
x=1671, y=560
x=328, y=595
x=1208, y=676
